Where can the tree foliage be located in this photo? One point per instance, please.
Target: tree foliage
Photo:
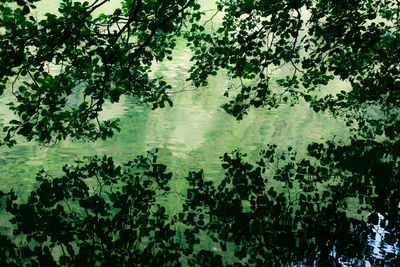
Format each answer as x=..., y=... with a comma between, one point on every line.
x=323, y=208
x=315, y=42
x=74, y=53
x=101, y=58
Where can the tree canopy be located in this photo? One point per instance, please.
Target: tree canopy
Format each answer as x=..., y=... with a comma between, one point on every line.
x=62, y=68
x=103, y=57
x=99, y=58
x=318, y=41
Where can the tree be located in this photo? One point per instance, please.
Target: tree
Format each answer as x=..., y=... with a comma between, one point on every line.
x=356, y=41
x=272, y=211
x=98, y=58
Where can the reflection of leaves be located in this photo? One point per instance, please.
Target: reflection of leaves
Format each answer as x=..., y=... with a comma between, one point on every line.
x=280, y=210
x=301, y=223
x=96, y=212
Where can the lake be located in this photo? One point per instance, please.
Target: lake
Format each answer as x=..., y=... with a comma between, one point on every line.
x=191, y=135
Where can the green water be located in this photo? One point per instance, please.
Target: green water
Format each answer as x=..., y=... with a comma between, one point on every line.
x=191, y=135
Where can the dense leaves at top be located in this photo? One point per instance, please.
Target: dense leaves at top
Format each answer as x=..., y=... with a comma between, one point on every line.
x=313, y=42
x=65, y=66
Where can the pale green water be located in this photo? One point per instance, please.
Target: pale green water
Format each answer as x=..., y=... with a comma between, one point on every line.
x=191, y=135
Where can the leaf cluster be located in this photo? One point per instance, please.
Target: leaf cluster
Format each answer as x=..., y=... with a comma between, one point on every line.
x=312, y=43
x=64, y=67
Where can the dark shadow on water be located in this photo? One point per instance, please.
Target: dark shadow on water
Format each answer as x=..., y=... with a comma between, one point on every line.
x=339, y=205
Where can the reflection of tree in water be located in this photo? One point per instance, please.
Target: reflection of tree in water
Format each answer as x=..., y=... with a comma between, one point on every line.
x=303, y=223
x=372, y=178
x=280, y=210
